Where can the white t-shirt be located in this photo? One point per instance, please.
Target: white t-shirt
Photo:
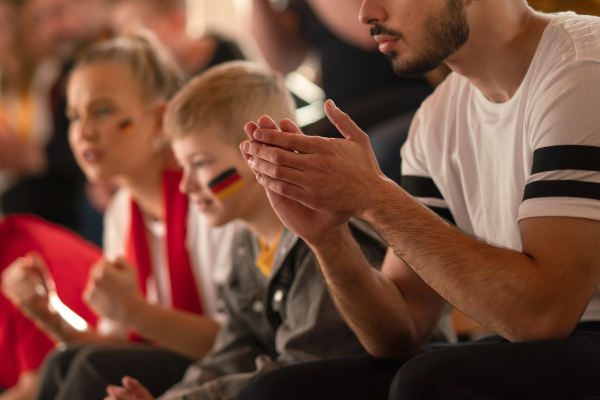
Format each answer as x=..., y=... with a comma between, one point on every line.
x=209, y=250
x=491, y=165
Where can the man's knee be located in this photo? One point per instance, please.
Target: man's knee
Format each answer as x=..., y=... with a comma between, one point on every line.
x=434, y=375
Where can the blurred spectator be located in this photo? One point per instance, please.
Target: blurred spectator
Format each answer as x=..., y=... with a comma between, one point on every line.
x=24, y=117
x=58, y=193
x=167, y=19
x=355, y=75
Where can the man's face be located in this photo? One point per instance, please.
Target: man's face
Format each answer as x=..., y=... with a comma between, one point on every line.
x=416, y=36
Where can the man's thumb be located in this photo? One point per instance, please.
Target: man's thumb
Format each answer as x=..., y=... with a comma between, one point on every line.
x=344, y=123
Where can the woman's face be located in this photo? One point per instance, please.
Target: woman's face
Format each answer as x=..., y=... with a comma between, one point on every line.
x=113, y=125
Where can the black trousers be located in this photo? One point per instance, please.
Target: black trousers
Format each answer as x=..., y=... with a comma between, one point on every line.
x=566, y=369
x=84, y=371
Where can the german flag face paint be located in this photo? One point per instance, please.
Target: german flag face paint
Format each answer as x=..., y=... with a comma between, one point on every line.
x=227, y=184
x=126, y=127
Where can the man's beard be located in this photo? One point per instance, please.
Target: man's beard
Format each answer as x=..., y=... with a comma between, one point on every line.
x=445, y=34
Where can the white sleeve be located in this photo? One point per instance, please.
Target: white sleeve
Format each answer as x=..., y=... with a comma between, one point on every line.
x=564, y=135
x=416, y=178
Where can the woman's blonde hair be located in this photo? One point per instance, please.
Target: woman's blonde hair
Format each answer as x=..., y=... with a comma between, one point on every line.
x=140, y=51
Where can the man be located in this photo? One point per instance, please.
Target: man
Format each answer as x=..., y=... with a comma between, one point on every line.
x=353, y=72
x=507, y=148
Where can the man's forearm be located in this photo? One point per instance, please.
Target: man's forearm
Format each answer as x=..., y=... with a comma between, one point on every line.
x=505, y=290
x=370, y=302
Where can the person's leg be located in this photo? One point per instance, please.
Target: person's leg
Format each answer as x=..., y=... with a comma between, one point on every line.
x=54, y=370
x=553, y=369
x=351, y=378
x=98, y=366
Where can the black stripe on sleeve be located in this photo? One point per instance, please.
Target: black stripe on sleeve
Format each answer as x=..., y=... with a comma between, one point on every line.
x=444, y=213
x=418, y=186
x=541, y=189
x=556, y=158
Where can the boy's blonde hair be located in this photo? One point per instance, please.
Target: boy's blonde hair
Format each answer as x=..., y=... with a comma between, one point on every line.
x=140, y=51
x=225, y=98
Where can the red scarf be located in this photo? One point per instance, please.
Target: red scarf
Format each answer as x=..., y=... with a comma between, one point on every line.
x=184, y=293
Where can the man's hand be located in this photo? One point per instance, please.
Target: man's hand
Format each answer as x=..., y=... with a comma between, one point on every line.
x=26, y=283
x=334, y=176
x=307, y=223
x=131, y=390
x=112, y=290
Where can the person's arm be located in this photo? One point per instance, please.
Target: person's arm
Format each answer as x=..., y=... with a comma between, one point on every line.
x=28, y=286
x=113, y=292
x=189, y=334
x=25, y=389
x=279, y=36
x=539, y=293
x=392, y=312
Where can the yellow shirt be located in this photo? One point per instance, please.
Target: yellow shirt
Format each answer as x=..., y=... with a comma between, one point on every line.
x=264, y=262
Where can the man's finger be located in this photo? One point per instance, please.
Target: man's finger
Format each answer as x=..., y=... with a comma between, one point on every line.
x=275, y=155
x=282, y=188
x=344, y=123
x=288, y=125
x=249, y=128
x=279, y=172
x=288, y=140
x=267, y=122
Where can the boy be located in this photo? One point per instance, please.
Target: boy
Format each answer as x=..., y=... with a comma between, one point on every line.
x=278, y=308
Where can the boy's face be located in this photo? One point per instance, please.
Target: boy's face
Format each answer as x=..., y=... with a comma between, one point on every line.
x=216, y=178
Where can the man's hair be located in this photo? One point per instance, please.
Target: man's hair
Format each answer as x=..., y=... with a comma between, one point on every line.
x=225, y=98
x=141, y=52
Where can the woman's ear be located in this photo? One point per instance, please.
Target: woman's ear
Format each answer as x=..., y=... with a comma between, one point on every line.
x=159, y=112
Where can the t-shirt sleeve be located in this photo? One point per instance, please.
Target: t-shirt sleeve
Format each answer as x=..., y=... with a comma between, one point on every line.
x=564, y=136
x=416, y=179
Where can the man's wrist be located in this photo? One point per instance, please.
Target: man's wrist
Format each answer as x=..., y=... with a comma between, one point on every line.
x=377, y=199
x=331, y=239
